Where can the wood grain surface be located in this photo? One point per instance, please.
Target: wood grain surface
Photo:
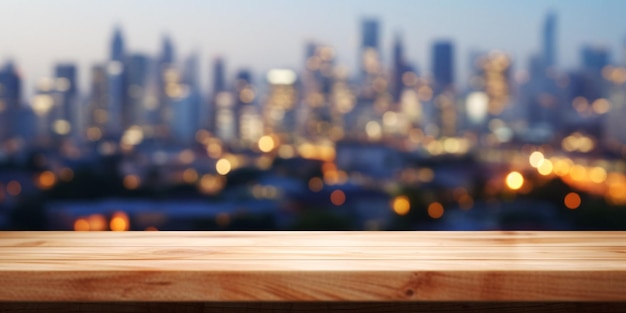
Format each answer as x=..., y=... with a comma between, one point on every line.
x=313, y=266
x=312, y=307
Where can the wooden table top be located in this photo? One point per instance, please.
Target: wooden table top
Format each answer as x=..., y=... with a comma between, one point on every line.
x=313, y=266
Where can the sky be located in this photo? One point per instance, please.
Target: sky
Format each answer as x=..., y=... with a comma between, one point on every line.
x=262, y=34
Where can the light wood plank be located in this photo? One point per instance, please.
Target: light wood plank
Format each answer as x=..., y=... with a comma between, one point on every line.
x=313, y=253
x=313, y=266
x=309, y=239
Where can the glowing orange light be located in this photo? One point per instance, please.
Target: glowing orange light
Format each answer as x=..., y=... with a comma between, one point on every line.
x=514, y=180
x=435, y=210
x=190, y=176
x=214, y=150
x=211, y=184
x=536, y=159
x=223, y=166
x=131, y=182
x=601, y=106
x=329, y=166
x=578, y=173
x=401, y=205
x=316, y=184
x=545, y=168
x=81, y=225
x=97, y=222
x=562, y=167
x=331, y=177
x=597, y=175
x=46, y=180
x=119, y=222
x=338, y=197
x=572, y=201
x=266, y=144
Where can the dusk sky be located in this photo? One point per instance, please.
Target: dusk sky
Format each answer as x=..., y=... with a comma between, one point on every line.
x=272, y=33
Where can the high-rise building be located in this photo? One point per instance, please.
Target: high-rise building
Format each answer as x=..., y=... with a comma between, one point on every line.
x=167, y=51
x=370, y=53
x=595, y=58
x=98, y=103
x=549, y=40
x=66, y=92
x=443, y=66
x=317, y=82
x=218, y=80
x=495, y=71
x=613, y=126
x=279, y=111
x=183, y=116
x=191, y=75
x=445, y=109
x=10, y=92
x=191, y=80
x=244, y=98
x=117, y=46
x=219, y=75
x=10, y=98
x=370, y=30
x=117, y=91
x=398, y=68
x=169, y=78
x=139, y=68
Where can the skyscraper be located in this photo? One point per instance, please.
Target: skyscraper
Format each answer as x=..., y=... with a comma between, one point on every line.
x=496, y=68
x=244, y=97
x=139, y=66
x=10, y=98
x=443, y=65
x=219, y=76
x=549, y=40
x=316, y=84
x=66, y=88
x=168, y=79
x=370, y=53
x=369, y=37
x=167, y=51
x=117, y=84
x=191, y=79
x=399, y=67
x=10, y=93
x=117, y=46
x=191, y=76
x=98, y=103
x=279, y=110
x=219, y=85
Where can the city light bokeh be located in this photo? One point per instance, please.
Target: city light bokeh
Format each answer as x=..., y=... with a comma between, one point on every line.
x=376, y=141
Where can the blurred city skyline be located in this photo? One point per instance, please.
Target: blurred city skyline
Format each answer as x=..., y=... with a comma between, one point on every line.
x=264, y=35
x=483, y=115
